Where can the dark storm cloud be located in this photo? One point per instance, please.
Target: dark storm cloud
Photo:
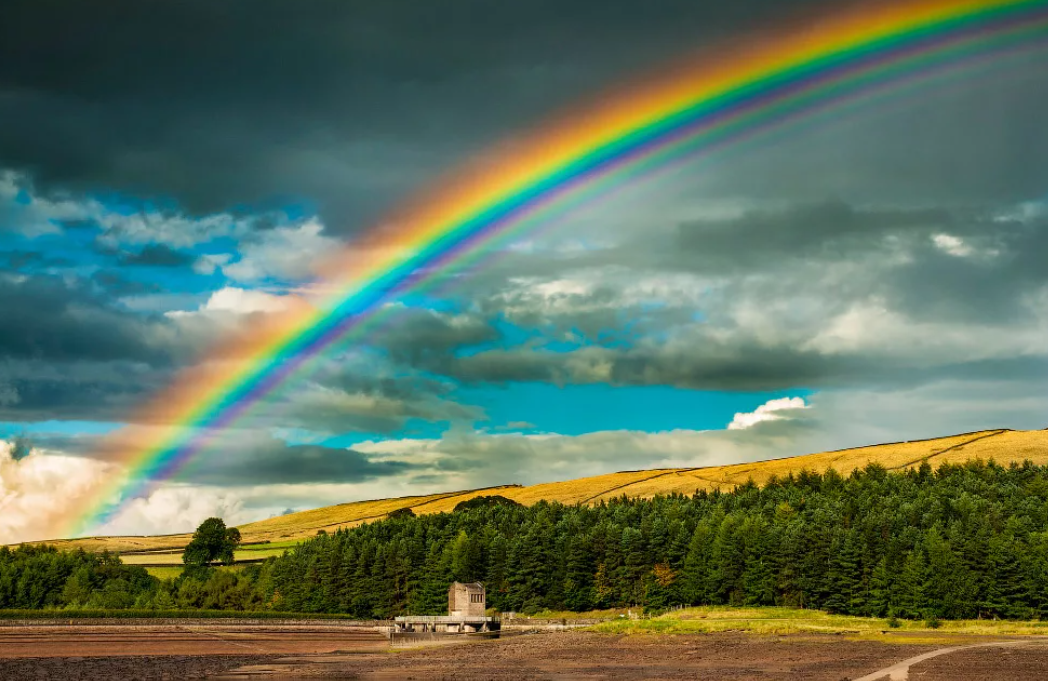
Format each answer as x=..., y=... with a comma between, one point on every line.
x=21, y=259
x=767, y=298
x=45, y=319
x=996, y=263
x=279, y=463
x=79, y=390
x=69, y=352
x=343, y=103
x=420, y=334
x=740, y=367
x=831, y=230
x=242, y=458
x=116, y=285
x=157, y=255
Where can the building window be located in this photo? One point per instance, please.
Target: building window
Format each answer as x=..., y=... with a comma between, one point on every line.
x=476, y=598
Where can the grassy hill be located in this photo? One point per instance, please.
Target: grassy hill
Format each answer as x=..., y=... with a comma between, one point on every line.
x=272, y=536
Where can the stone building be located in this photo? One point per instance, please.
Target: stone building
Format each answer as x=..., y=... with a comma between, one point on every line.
x=466, y=605
x=466, y=600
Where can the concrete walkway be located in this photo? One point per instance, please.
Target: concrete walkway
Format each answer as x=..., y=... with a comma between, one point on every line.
x=901, y=670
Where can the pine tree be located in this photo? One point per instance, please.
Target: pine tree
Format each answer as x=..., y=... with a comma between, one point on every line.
x=880, y=603
x=843, y=586
x=696, y=573
x=1006, y=596
x=578, y=589
x=912, y=593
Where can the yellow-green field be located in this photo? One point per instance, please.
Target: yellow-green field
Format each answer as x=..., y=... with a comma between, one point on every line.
x=1002, y=446
x=158, y=558
x=776, y=621
x=165, y=572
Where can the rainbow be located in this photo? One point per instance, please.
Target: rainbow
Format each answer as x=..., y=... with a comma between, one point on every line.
x=715, y=99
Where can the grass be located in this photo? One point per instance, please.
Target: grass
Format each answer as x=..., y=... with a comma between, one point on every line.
x=1003, y=446
x=171, y=572
x=175, y=557
x=290, y=543
x=610, y=614
x=778, y=621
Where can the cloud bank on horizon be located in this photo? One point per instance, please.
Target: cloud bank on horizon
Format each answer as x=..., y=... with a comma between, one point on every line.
x=878, y=278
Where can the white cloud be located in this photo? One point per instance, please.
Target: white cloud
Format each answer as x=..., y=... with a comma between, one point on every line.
x=231, y=300
x=32, y=214
x=207, y=264
x=173, y=509
x=598, y=290
x=1027, y=212
x=870, y=328
x=290, y=252
x=41, y=490
x=474, y=459
x=243, y=301
x=952, y=245
x=769, y=411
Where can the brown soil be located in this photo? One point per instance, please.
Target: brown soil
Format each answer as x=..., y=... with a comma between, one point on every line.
x=165, y=650
x=311, y=650
x=1006, y=664
x=183, y=640
x=582, y=655
x=141, y=668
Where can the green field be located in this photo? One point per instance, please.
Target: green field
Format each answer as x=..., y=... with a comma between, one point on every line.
x=158, y=559
x=775, y=621
x=164, y=572
x=266, y=546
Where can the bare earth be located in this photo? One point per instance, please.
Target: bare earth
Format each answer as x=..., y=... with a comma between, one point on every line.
x=165, y=650
x=316, y=650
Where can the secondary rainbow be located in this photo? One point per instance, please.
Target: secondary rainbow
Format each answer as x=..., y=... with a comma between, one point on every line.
x=714, y=99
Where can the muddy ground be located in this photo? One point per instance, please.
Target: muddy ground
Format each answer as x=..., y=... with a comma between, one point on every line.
x=173, y=651
x=1004, y=664
x=166, y=650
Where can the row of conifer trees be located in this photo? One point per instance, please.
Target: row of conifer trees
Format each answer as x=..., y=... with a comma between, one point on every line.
x=960, y=542
x=965, y=541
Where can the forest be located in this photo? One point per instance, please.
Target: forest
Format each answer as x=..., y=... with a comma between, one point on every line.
x=967, y=541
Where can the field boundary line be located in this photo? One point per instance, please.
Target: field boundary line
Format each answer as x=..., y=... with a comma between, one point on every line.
x=632, y=482
x=443, y=497
x=462, y=494
x=984, y=436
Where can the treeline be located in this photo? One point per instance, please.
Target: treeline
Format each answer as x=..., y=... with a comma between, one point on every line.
x=34, y=577
x=960, y=542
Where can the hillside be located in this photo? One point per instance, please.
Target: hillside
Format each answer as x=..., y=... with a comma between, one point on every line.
x=269, y=537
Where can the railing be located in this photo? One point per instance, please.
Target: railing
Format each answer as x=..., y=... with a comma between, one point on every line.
x=445, y=619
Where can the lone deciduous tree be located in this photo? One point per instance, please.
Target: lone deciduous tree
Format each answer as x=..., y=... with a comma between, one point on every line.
x=212, y=542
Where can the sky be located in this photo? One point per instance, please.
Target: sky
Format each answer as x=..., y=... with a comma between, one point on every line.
x=172, y=174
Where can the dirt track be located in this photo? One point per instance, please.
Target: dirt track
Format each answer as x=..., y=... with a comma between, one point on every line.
x=312, y=650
